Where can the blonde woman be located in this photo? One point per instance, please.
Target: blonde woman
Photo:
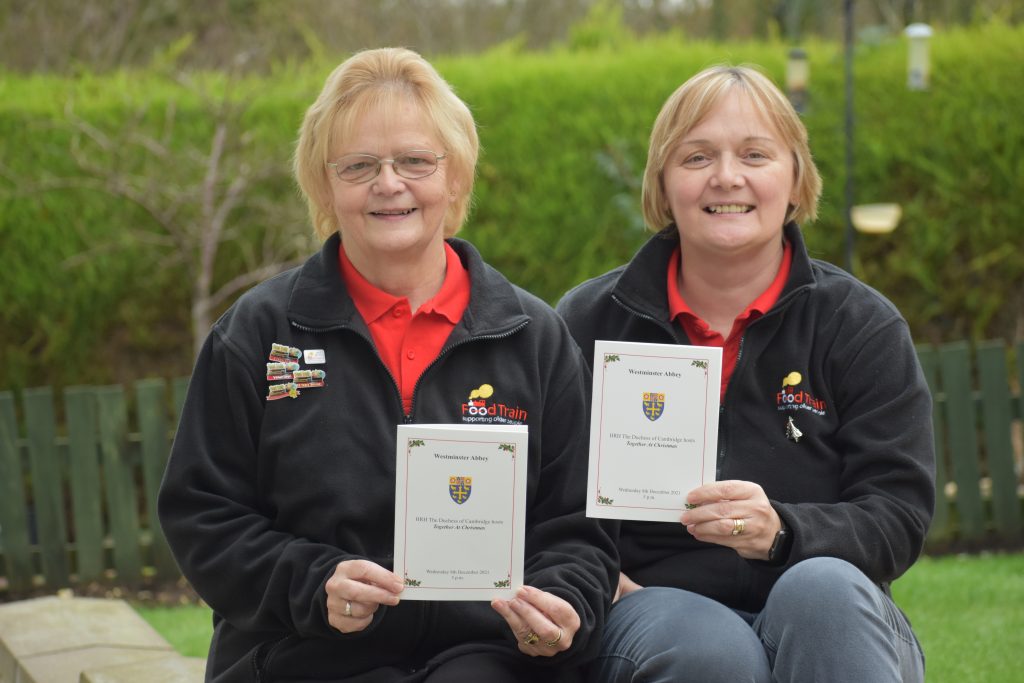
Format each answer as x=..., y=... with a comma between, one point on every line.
x=280, y=506
x=825, y=485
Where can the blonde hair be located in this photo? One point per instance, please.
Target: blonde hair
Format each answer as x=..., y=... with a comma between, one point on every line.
x=379, y=81
x=692, y=101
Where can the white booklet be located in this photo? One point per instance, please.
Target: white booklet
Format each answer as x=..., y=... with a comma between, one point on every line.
x=653, y=428
x=460, y=510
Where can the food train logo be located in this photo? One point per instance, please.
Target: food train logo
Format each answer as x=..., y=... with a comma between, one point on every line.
x=791, y=399
x=477, y=408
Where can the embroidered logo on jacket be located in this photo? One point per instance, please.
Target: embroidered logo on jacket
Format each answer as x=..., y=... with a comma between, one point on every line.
x=477, y=408
x=790, y=398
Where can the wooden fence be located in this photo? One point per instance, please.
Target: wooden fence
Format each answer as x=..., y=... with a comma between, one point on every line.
x=78, y=502
x=81, y=506
x=978, y=444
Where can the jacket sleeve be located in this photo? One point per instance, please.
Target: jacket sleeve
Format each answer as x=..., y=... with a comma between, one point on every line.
x=252, y=574
x=567, y=553
x=886, y=488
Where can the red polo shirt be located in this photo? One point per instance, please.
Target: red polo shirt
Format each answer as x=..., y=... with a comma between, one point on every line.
x=408, y=342
x=702, y=335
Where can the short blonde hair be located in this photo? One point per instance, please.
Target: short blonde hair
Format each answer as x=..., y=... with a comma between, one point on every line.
x=692, y=101
x=381, y=80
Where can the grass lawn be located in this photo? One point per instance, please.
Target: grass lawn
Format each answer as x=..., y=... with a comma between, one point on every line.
x=968, y=612
x=188, y=628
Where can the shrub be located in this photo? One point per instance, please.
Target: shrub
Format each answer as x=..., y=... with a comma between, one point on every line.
x=564, y=136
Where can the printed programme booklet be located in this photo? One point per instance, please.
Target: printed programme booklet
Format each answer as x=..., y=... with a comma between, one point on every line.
x=653, y=428
x=460, y=499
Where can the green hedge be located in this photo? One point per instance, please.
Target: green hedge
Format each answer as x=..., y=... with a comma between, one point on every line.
x=564, y=141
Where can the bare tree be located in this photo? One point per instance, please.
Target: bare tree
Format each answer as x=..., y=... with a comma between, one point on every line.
x=205, y=203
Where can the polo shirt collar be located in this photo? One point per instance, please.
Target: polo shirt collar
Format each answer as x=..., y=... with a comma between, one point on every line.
x=320, y=299
x=372, y=302
x=677, y=305
x=637, y=290
x=451, y=300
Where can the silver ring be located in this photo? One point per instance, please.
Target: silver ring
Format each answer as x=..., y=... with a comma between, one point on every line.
x=348, y=609
x=738, y=525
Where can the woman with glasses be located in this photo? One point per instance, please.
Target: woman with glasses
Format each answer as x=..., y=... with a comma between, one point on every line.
x=279, y=495
x=825, y=470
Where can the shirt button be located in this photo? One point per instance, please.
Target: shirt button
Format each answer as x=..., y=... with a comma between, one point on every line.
x=410, y=355
x=397, y=312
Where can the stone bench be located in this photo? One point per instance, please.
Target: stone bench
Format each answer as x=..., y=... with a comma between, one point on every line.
x=86, y=640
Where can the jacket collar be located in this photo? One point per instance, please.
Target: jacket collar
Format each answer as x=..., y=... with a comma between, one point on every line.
x=319, y=299
x=644, y=293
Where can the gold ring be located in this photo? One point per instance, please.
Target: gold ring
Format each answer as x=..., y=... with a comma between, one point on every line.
x=738, y=525
x=531, y=638
x=348, y=609
x=552, y=643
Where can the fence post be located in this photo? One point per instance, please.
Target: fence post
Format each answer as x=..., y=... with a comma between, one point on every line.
x=120, y=484
x=13, y=521
x=150, y=394
x=86, y=491
x=47, y=485
x=940, y=527
x=995, y=404
x=961, y=419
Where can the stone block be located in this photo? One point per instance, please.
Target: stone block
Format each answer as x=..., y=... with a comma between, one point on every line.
x=174, y=669
x=67, y=667
x=53, y=639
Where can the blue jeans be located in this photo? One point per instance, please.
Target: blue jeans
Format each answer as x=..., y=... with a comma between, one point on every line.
x=823, y=621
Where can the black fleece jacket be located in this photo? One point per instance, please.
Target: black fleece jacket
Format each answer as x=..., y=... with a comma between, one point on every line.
x=261, y=499
x=858, y=485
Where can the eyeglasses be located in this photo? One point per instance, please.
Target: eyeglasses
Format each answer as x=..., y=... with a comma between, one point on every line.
x=361, y=168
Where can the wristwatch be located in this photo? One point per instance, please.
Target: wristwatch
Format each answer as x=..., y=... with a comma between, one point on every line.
x=780, y=546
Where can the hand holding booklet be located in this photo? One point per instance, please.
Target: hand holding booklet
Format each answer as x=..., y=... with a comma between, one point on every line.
x=653, y=428
x=460, y=517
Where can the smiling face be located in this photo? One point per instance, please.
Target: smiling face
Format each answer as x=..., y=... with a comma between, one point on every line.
x=730, y=181
x=391, y=217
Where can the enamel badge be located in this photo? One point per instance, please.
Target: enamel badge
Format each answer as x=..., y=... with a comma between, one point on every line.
x=279, y=371
x=284, y=366
x=792, y=433
x=306, y=379
x=279, y=391
x=281, y=353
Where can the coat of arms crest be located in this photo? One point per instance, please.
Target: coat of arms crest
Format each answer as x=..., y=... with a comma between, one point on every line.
x=654, y=405
x=459, y=488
